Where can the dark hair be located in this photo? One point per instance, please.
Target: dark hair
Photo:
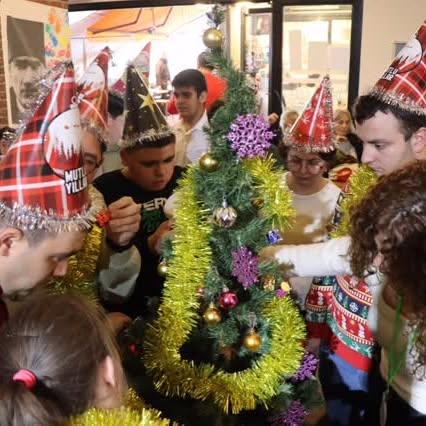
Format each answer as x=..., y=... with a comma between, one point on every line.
x=395, y=209
x=7, y=132
x=328, y=157
x=203, y=61
x=158, y=143
x=367, y=106
x=191, y=78
x=62, y=339
x=115, y=105
x=216, y=105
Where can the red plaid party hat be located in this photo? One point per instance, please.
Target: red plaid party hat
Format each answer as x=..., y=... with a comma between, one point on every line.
x=92, y=94
x=313, y=130
x=42, y=182
x=404, y=82
x=141, y=62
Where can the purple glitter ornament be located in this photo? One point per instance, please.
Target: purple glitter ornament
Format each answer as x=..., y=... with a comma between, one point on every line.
x=245, y=267
x=307, y=368
x=274, y=237
x=250, y=136
x=294, y=416
x=281, y=293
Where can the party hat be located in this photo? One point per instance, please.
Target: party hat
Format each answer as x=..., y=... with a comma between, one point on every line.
x=313, y=129
x=144, y=120
x=42, y=180
x=92, y=95
x=404, y=83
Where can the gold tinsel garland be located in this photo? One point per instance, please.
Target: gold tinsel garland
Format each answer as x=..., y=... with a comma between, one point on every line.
x=83, y=266
x=359, y=184
x=178, y=314
x=278, y=202
x=133, y=413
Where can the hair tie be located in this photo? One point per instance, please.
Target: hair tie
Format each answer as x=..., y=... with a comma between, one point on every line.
x=27, y=377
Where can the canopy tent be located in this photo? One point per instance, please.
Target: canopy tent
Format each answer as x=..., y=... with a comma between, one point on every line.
x=157, y=21
x=126, y=31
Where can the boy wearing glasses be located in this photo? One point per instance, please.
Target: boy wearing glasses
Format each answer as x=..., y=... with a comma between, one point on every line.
x=118, y=263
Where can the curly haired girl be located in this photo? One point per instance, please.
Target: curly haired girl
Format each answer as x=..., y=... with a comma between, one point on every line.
x=388, y=230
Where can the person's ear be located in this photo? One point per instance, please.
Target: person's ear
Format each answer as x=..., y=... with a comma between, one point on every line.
x=9, y=237
x=203, y=97
x=107, y=391
x=418, y=144
x=107, y=372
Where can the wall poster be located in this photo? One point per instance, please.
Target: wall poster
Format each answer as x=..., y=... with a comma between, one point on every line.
x=35, y=38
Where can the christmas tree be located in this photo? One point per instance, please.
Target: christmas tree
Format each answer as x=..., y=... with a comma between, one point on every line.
x=228, y=332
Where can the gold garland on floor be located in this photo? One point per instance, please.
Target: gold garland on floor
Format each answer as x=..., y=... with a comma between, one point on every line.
x=83, y=266
x=278, y=202
x=359, y=184
x=178, y=314
x=133, y=413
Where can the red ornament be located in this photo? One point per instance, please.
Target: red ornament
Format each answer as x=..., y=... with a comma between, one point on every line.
x=103, y=218
x=228, y=300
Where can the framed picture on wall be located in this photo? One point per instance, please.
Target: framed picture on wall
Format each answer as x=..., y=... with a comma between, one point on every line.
x=35, y=38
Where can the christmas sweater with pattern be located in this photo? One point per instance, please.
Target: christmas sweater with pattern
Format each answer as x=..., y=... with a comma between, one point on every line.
x=336, y=311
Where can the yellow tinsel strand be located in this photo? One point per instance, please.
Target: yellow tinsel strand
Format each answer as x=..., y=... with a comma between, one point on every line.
x=233, y=392
x=133, y=413
x=83, y=266
x=359, y=184
x=278, y=202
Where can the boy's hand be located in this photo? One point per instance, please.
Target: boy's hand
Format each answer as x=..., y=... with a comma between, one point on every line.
x=117, y=322
x=155, y=240
x=125, y=221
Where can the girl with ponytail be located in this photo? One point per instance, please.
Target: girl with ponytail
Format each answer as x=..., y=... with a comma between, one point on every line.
x=58, y=360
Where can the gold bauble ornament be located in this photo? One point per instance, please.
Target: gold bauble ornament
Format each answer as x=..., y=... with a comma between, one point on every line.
x=213, y=38
x=257, y=203
x=268, y=282
x=252, y=341
x=285, y=285
x=208, y=163
x=212, y=315
x=162, y=268
x=225, y=216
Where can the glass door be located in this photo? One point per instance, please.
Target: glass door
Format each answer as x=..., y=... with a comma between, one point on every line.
x=316, y=41
x=257, y=30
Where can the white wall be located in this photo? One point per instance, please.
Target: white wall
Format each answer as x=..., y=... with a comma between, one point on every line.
x=386, y=22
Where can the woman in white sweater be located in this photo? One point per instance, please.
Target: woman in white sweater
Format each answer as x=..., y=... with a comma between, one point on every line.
x=388, y=230
x=314, y=198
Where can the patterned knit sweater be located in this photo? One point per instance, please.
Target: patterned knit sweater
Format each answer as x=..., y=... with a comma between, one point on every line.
x=337, y=310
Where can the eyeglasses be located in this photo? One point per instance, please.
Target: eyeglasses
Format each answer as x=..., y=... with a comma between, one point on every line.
x=314, y=166
x=90, y=165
